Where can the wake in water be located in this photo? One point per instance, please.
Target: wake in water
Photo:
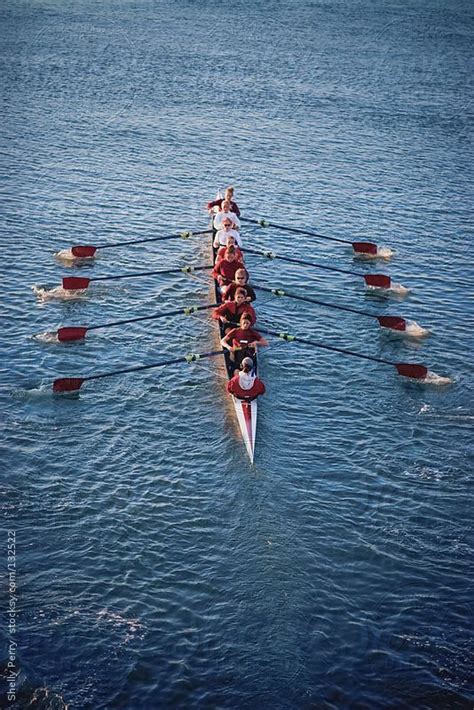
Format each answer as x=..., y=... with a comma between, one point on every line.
x=46, y=337
x=59, y=293
x=412, y=330
x=384, y=253
x=438, y=380
x=67, y=257
x=460, y=416
x=432, y=378
x=395, y=291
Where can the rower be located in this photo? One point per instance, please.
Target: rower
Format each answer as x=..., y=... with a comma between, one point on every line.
x=242, y=341
x=240, y=281
x=230, y=243
x=245, y=384
x=226, y=212
x=229, y=195
x=225, y=269
x=227, y=230
x=229, y=313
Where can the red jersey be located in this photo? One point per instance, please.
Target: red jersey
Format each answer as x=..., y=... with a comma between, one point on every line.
x=233, y=387
x=231, y=311
x=217, y=203
x=226, y=269
x=221, y=254
x=231, y=289
x=241, y=338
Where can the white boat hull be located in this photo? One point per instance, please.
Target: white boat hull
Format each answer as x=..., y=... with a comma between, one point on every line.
x=247, y=417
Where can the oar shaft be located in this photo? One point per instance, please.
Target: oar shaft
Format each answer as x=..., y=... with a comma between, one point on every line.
x=323, y=346
x=152, y=239
x=162, y=363
x=154, y=316
x=136, y=274
x=292, y=260
x=298, y=231
x=282, y=292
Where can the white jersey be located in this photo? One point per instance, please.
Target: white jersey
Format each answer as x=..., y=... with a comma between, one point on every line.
x=221, y=216
x=220, y=240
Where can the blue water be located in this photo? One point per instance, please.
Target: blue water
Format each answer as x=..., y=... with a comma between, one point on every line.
x=155, y=567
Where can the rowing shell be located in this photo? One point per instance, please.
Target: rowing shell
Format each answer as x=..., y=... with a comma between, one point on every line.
x=246, y=411
x=247, y=417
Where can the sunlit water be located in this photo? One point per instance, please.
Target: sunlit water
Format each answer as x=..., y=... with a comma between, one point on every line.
x=155, y=567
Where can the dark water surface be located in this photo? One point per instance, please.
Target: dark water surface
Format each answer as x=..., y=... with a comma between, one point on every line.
x=155, y=567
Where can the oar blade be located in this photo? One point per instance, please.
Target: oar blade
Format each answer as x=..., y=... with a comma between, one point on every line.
x=69, y=333
x=377, y=280
x=83, y=251
x=67, y=384
x=367, y=248
x=392, y=322
x=416, y=372
x=75, y=282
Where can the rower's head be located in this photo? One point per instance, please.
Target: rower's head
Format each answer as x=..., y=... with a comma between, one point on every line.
x=245, y=321
x=229, y=193
x=241, y=277
x=247, y=364
x=230, y=241
x=225, y=205
x=227, y=224
x=230, y=254
x=240, y=296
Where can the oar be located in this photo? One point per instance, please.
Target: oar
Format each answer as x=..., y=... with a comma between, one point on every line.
x=69, y=333
x=368, y=248
x=416, y=372
x=376, y=280
x=73, y=384
x=87, y=250
x=81, y=282
x=392, y=322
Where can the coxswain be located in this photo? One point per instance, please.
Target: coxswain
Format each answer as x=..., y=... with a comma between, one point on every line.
x=229, y=313
x=245, y=384
x=240, y=281
x=220, y=240
x=243, y=340
x=228, y=195
x=230, y=243
x=225, y=213
x=224, y=270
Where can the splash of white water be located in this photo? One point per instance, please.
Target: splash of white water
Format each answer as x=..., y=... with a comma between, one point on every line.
x=438, y=380
x=385, y=253
x=47, y=337
x=414, y=330
x=396, y=290
x=60, y=293
x=66, y=255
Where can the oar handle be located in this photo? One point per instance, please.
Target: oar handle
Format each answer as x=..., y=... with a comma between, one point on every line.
x=324, y=346
x=186, y=311
x=264, y=223
x=282, y=292
x=175, y=235
x=292, y=260
x=162, y=363
x=184, y=269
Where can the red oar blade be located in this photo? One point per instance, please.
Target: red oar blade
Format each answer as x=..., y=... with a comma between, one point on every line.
x=365, y=248
x=84, y=251
x=417, y=372
x=75, y=282
x=392, y=322
x=67, y=384
x=71, y=333
x=378, y=280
